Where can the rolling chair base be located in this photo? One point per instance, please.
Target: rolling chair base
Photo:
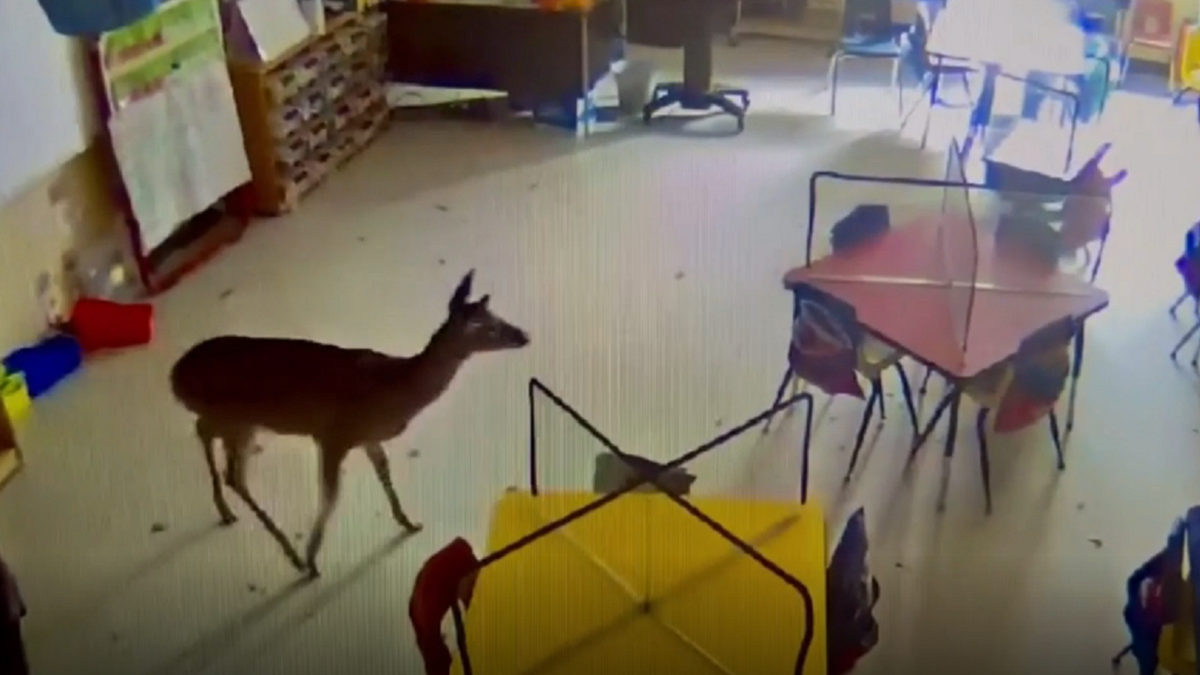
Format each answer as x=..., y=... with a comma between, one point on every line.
x=671, y=93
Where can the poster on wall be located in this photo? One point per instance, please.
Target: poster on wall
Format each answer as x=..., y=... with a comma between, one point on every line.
x=173, y=124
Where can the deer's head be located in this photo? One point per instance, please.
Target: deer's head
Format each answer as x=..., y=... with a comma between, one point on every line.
x=472, y=326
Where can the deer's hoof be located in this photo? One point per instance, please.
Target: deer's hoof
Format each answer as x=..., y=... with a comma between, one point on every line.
x=227, y=519
x=413, y=528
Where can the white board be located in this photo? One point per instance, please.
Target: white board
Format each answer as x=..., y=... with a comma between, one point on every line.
x=48, y=115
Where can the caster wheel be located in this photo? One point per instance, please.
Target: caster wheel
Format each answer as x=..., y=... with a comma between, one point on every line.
x=746, y=102
x=646, y=117
x=741, y=123
x=733, y=40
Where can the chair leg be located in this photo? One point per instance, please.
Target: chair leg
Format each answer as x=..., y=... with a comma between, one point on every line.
x=1122, y=654
x=933, y=97
x=1183, y=341
x=876, y=393
x=787, y=377
x=834, y=65
x=878, y=384
x=985, y=465
x=924, y=434
x=1076, y=371
x=1057, y=438
x=1175, y=307
x=906, y=388
x=925, y=381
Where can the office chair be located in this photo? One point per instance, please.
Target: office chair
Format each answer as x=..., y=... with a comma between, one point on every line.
x=687, y=24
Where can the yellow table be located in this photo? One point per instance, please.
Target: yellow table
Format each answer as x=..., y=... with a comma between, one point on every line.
x=641, y=586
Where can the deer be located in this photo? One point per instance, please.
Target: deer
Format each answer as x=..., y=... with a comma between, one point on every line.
x=339, y=397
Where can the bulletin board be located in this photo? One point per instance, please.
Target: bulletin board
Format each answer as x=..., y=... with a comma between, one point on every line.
x=48, y=113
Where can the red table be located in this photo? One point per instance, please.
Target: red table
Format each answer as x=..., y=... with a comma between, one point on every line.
x=898, y=287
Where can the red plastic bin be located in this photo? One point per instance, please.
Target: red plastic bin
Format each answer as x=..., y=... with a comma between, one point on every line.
x=103, y=324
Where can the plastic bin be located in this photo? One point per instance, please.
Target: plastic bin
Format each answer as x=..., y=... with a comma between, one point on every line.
x=46, y=363
x=14, y=396
x=102, y=324
x=89, y=18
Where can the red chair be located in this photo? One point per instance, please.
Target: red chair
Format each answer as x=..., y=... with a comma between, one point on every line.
x=448, y=577
x=1024, y=392
x=1150, y=23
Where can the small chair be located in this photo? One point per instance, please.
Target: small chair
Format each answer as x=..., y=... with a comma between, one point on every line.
x=1188, y=266
x=852, y=594
x=929, y=71
x=828, y=348
x=1191, y=246
x=1023, y=392
x=1188, y=66
x=1150, y=23
x=444, y=581
x=867, y=33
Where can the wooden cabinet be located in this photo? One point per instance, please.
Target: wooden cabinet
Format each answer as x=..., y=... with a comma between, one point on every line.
x=309, y=111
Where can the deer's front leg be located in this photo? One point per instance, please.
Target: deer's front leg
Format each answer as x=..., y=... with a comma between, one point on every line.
x=331, y=457
x=383, y=471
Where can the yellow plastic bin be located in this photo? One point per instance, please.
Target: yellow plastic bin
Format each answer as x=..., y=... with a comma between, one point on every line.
x=14, y=395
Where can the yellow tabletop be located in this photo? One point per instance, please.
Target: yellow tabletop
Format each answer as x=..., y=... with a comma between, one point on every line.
x=640, y=586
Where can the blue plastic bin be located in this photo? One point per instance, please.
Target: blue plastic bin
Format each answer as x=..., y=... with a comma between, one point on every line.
x=46, y=363
x=90, y=18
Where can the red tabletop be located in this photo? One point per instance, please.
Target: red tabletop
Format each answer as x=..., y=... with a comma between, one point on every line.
x=898, y=286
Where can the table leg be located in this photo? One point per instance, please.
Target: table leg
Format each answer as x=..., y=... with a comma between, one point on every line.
x=951, y=433
x=1076, y=368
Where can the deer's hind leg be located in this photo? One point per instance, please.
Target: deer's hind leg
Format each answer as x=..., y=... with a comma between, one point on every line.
x=208, y=440
x=239, y=446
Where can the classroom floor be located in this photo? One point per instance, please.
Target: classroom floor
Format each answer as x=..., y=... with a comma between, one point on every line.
x=646, y=267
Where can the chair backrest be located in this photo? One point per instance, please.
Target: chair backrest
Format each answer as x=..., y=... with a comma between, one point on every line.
x=1039, y=376
x=867, y=18
x=448, y=577
x=826, y=338
x=1150, y=21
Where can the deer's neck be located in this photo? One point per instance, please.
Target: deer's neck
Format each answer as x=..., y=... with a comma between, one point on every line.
x=431, y=371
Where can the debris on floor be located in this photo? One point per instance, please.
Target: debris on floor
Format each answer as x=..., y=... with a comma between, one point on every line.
x=414, y=453
x=1098, y=543
x=1080, y=506
x=441, y=261
x=678, y=276
x=441, y=207
x=225, y=294
x=158, y=528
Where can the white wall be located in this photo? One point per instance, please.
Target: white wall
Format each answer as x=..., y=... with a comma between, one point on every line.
x=47, y=115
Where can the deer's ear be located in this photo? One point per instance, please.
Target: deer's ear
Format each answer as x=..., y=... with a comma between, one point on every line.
x=459, y=299
x=1118, y=178
x=482, y=303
